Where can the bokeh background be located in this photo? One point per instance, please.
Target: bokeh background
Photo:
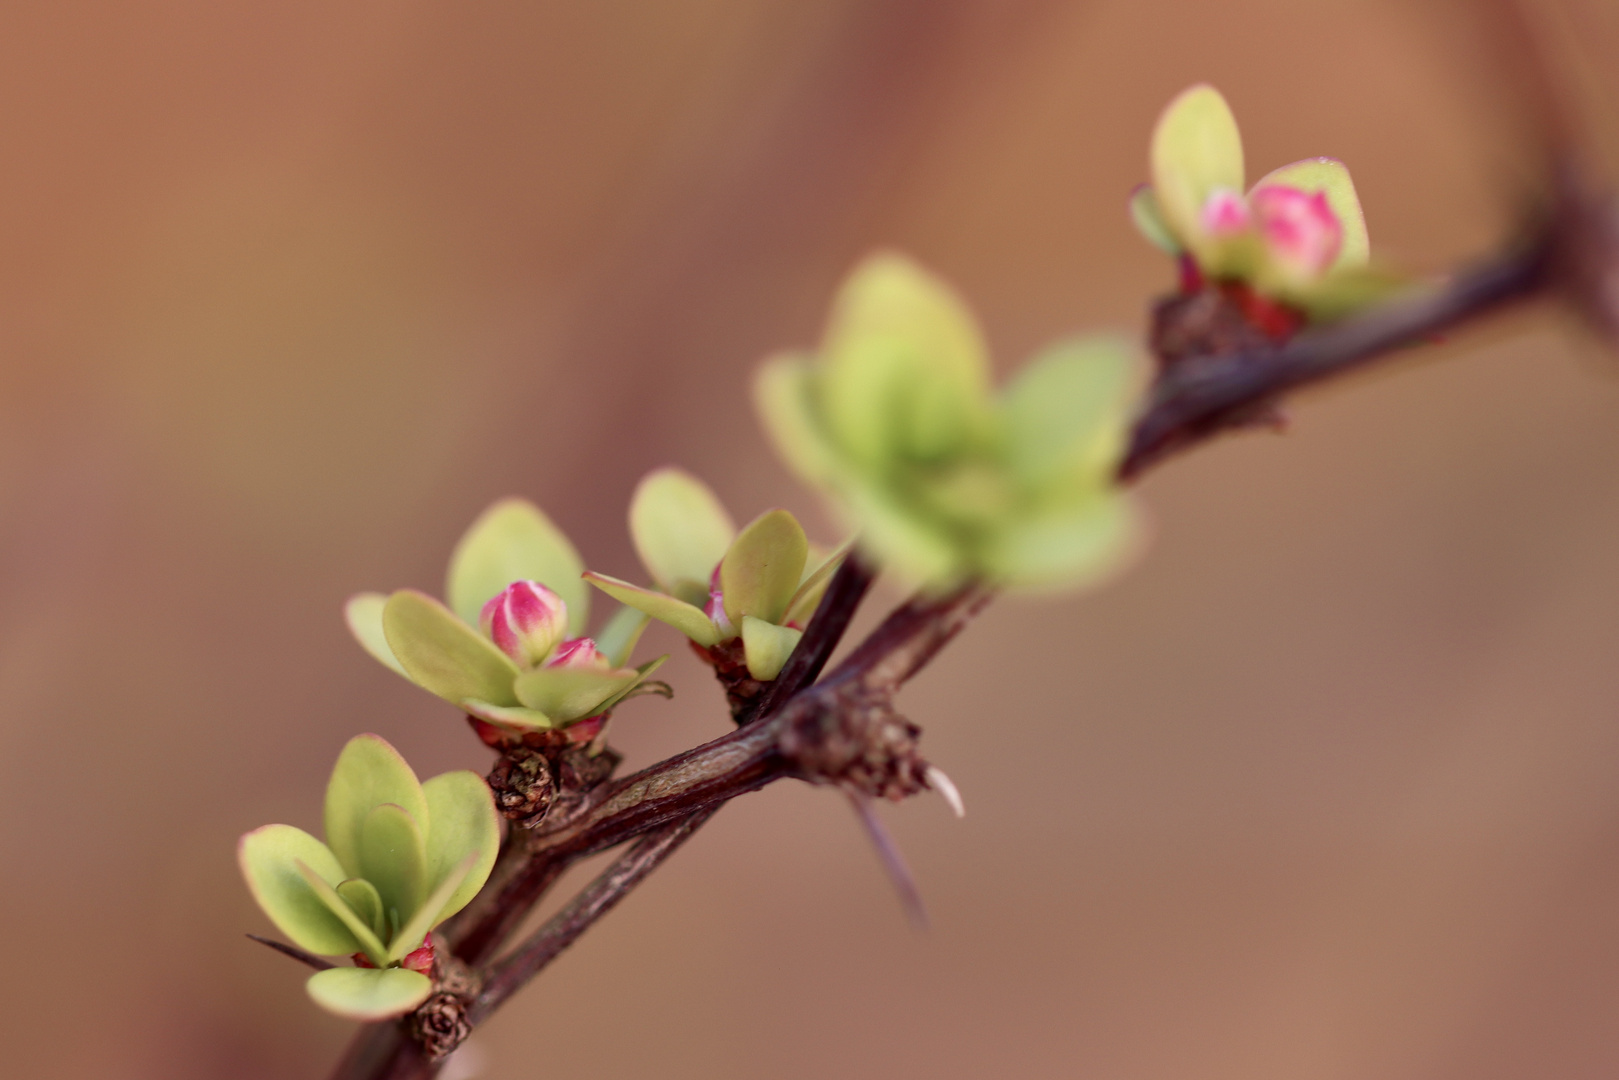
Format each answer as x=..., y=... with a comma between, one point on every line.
x=1327, y=787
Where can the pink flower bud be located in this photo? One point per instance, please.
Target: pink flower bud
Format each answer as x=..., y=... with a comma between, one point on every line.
x=526, y=620
x=581, y=652
x=1225, y=213
x=1299, y=227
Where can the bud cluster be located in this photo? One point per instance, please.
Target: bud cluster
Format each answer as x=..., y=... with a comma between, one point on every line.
x=1297, y=237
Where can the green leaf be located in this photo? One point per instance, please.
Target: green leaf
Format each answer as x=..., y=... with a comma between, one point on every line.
x=689, y=620
x=369, y=943
x=784, y=395
x=269, y=860
x=641, y=675
x=1196, y=149
x=680, y=532
x=913, y=547
x=808, y=597
x=363, y=899
x=1077, y=547
x=1329, y=175
x=368, y=773
x=363, y=613
x=761, y=572
x=442, y=654
x=767, y=646
x=1068, y=410
x=462, y=822
x=1149, y=220
x=393, y=857
x=1348, y=290
x=618, y=637
x=569, y=693
x=509, y=717
x=369, y=993
x=431, y=912
x=904, y=369
x=511, y=541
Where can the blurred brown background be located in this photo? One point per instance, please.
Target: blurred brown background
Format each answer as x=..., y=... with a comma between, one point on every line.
x=1328, y=787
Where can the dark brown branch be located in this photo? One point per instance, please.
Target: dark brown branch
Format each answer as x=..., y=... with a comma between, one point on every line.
x=522, y=881
x=319, y=963
x=751, y=757
x=1202, y=396
x=525, y=873
x=598, y=898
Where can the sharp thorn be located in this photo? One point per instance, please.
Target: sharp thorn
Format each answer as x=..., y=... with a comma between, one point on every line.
x=941, y=783
x=888, y=854
x=296, y=953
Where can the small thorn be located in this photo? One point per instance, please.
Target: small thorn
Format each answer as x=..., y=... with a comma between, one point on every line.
x=296, y=953
x=888, y=854
x=941, y=783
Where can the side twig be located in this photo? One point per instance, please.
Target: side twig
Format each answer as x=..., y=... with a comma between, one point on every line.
x=598, y=898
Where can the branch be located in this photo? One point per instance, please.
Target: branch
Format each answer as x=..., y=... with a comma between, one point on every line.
x=817, y=736
x=1202, y=396
x=598, y=898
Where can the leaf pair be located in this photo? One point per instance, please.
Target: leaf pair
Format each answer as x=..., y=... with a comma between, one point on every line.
x=713, y=583
x=894, y=417
x=400, y=857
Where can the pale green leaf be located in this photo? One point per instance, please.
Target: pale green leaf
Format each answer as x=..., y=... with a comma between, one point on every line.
x=904, y=368
x=431, y=912
x=511, y=541
x=767, y=647
x=762, y=569
x=1196, y=149
x=689, y=620
x=363, y=899
x=1069, y=409
x=1329, y=175
x=393, y=857
x=920, y=551
x=784, y=397
x=642, y=673
x=617, y=638
x=369, y=994
x=1350, y=289
x=326, y=893
x=442, y=654
x=813, y=587
x=570, y=693
x=463, y=822
x=1078, y=547
x=1149, y=220
x=680, y=532
x=363, y=613
x=269, y=859
x=368, y=773
x=509, y=717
